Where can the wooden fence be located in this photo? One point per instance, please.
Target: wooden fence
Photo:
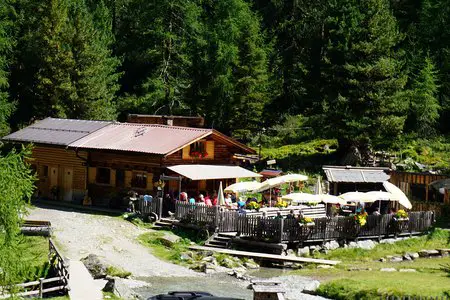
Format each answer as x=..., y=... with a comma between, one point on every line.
x=326, y=229
x=285, y=230
x=40, y=287
x=150, y=207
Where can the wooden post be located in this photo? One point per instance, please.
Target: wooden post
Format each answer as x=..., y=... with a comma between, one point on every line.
x=426, y=193
x=41, y=287
x=281, y=227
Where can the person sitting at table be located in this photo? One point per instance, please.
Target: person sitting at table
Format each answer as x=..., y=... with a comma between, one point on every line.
x=279, y=216
x=214, y=198
x=208, y=201
x=228, y=201
x=192, y=200
x=241, y=203
x=291, y=215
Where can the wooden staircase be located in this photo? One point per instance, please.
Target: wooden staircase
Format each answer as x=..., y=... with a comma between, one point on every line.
x=220, y=240
x=163, y=224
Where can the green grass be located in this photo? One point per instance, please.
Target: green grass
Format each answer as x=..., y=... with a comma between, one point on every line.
x=171, y=254
x=430, y=278
x=437, y=238
x=117, y=272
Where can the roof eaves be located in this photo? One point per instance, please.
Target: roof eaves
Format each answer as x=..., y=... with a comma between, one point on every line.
x=233, y=141
x=190, y=142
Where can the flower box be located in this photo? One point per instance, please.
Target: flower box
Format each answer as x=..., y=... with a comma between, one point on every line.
x=309, y=224
x=401, y=219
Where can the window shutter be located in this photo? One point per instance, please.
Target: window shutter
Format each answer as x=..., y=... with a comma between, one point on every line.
x=210, y=149
x=186, y=152
x=92, y=174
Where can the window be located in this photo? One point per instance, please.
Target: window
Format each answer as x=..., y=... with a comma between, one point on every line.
x=44, y=171
x=198, y=149
x=103, y=176
x=120, y=178
x=139, y=180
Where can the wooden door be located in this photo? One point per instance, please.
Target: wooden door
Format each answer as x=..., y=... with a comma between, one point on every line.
x=67, y=184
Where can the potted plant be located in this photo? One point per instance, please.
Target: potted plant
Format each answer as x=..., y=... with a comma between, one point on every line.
x=360, y=218
x=401, y=216
x=306, y=221
x=253, y=205
x=281, y=204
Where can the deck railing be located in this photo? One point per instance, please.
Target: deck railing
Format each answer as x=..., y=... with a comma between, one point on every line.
x=289, y=230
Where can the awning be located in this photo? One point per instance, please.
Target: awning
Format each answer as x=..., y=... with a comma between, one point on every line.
x=205, y=172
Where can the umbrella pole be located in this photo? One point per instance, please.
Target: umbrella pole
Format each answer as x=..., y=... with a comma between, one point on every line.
x=270, y=197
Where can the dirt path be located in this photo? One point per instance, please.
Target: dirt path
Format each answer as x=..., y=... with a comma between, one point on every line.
x=79, y=234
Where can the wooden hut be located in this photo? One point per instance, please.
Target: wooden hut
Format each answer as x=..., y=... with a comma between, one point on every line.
x=105, y=158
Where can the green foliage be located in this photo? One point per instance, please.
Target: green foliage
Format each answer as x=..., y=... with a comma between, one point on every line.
x=6, y=45
x=172, y=253
x=117, y=272
x=424, y=104
x=361, y=71
x=16, y=187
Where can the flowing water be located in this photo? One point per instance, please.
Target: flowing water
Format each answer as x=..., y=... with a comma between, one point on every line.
x=226, y=286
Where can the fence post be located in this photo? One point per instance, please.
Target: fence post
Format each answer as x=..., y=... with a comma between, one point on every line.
x=160, y=200
x=41, y=287
x=281, y=227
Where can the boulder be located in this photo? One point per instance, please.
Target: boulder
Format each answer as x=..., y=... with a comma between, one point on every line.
x=427, y=253
x=297, y=266
x=303, y=251
x=366, y=245
x=208, y=268
x=396, y=259
x=388, y=241
x=325, y=267
x=413, y=255
x=407, y=257
x=352, y=245
x=388, y=270
x=331, y=245
x=124, y=288
x=290, y=252
x=228, y=263
x=251, y=264
x=407, y=270
x=186, y=256
x=210, y=259
x=382, y=259
x=110, y=284
x=95, y=266
x=359, y=269
x=168, y=240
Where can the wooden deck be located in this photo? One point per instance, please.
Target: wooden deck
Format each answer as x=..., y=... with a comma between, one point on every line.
x=264, y=256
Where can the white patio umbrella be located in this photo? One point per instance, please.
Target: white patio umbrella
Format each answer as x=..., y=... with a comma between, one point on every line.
x=276, y=181
x=383, y=196
x=330, y=199
x=318, y=187
x=221, y=198
x=358, y=197
x=242, y=187
x=301, y=198
x=402, y=198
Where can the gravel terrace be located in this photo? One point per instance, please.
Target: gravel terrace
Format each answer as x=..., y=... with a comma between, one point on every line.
x=81, y=233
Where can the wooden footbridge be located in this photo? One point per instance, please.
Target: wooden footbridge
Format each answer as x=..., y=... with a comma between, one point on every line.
x=267, y=257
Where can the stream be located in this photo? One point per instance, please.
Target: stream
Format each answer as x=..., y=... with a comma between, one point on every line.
x=223, y=285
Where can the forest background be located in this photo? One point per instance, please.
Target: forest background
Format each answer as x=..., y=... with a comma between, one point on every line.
x=301, y=78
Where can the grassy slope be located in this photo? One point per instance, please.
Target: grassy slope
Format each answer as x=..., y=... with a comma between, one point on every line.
x=428, y=280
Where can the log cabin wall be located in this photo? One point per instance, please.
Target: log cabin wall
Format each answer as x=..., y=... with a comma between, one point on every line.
x=417, y=185
x=61, y=174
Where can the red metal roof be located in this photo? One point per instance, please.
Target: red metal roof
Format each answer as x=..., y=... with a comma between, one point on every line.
x=270, y=173
x=145, y=138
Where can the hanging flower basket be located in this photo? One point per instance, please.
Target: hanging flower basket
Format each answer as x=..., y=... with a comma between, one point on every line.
x=360, y=219
x=198, y=154
x=401, y=216
x=306, y=222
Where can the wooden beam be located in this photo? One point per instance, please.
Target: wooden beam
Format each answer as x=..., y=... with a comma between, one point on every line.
x=266, y=256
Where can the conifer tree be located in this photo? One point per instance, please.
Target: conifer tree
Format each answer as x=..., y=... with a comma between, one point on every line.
x=94, y=75
x=424, y=104
x=361, y=74
x=233, y=80
x=6, y=44
x=157, y=44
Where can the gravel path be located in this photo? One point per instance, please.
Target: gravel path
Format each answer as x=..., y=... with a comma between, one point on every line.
x=79, y=234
